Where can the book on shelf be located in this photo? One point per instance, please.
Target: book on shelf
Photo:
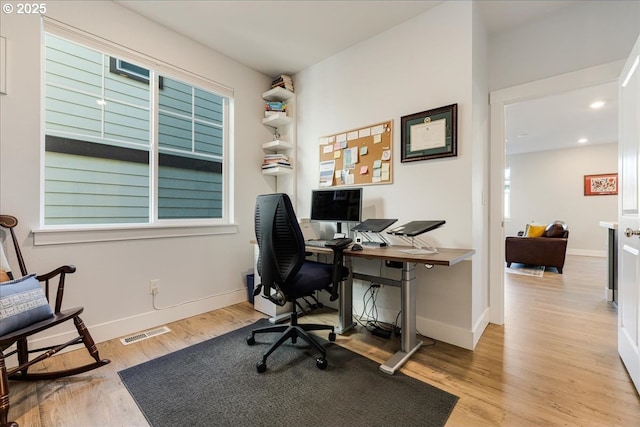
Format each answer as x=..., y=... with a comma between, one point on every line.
x=271, y=161
x=284, y=81
x=276, y=156
x=275, y=160
x=275, y=106
x=276, y=165
x=275, y=114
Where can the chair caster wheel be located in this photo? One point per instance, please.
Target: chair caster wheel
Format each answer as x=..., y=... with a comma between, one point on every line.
x=261, y=367
x=251, y=340
x=321, y=363
x=332, y=336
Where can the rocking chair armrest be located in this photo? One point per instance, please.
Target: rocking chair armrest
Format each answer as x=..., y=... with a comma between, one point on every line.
x=62, y=272
x=65, y=269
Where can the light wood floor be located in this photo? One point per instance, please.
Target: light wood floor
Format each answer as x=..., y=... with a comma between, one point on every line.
x=553, y=363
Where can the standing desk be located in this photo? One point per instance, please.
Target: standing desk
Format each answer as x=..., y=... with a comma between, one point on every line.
x=409, y=343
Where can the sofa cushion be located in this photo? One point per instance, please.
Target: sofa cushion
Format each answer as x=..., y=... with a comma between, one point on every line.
x=534, y=230
x=22, y=303
x=555, y=229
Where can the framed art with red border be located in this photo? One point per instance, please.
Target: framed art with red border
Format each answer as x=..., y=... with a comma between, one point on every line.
x=601, y=185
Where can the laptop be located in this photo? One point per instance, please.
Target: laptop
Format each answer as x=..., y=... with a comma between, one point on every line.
x=415, y=228
x=375, y=225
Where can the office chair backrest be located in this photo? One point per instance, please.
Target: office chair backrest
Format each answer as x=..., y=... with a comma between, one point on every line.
x=280, y=240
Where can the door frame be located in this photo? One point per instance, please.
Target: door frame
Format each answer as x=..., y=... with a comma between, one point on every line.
x=498, y=100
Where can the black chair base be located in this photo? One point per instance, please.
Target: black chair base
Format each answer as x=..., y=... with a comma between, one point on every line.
x=293, y=331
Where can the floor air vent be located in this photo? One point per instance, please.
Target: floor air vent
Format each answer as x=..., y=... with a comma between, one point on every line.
x=144, y=335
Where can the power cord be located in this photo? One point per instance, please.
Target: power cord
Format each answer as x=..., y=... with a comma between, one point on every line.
x=370, y=313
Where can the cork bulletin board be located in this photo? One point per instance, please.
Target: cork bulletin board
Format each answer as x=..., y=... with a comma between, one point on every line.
x=359, y=156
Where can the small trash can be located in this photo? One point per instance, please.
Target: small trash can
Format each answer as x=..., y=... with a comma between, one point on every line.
x=250, y=285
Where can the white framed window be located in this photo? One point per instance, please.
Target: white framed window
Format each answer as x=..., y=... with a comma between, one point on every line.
x=130, y=141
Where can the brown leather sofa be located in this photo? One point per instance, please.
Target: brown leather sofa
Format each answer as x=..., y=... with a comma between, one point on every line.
x=549, y=249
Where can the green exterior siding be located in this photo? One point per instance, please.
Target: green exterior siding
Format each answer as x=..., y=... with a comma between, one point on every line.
x=87, y=103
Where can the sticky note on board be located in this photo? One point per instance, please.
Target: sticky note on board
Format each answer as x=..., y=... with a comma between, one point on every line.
x=364, y=170
x=385, y=167
x=386, y=154
x=376, y=130
x=377, y=139
x=327, y=149
x=377, y=164
x=336, y=154
x=384, y=176
x=364, y=150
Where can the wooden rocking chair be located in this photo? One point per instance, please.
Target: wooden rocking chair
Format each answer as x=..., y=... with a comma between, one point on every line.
x=20, y=335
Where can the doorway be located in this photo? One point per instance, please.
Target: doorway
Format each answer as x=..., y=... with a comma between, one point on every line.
x=499, y=100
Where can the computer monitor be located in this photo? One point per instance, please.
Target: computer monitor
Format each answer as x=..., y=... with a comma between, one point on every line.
x=336, y=204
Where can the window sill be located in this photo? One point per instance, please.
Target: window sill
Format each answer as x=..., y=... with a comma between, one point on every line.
x=60, y=236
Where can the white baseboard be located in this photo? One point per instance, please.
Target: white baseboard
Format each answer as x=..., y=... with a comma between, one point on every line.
x=144, y=321
x=587, y=252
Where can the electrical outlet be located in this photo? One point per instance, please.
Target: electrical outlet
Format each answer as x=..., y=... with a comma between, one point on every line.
x=154, y=286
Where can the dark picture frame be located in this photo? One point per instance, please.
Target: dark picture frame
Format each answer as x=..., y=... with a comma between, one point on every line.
x=430, y=134
x=604, y=184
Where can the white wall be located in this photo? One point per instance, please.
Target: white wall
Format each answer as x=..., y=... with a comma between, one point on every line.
x=422, y=64
x=582, y=35
x=112, y=281
x=548, y=186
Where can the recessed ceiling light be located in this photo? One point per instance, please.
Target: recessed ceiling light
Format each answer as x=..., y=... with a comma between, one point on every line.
x=582, y=140
x=597, y=104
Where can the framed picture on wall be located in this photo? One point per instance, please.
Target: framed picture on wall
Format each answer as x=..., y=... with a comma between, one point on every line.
x=430, y=134
x=601, y=185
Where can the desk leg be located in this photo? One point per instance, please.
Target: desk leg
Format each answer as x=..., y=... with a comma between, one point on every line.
x=345, y=302
x=409, y=343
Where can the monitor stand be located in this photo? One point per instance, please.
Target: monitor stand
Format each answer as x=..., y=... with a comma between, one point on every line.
x=373, y=240
x=418, y=246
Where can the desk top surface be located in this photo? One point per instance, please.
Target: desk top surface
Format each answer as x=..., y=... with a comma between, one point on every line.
x=445, y=256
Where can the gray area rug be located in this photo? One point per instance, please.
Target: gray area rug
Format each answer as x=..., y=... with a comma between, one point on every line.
x=215, y=383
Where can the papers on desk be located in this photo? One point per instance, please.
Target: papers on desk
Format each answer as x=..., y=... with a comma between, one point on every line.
x=419, y=251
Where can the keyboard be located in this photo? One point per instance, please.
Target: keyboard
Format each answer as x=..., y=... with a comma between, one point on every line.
x=318, y=243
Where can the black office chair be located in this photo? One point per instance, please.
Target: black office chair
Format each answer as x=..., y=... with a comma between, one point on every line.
x=286, y=275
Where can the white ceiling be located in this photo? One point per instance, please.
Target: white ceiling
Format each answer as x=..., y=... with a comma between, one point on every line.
x=276, y=37
x=559, y=121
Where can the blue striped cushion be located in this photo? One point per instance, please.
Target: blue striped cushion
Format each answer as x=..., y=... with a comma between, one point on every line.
x=22, y=303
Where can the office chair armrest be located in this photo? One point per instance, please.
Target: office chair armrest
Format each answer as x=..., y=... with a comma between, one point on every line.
x=341, y=243
x=337, y=246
